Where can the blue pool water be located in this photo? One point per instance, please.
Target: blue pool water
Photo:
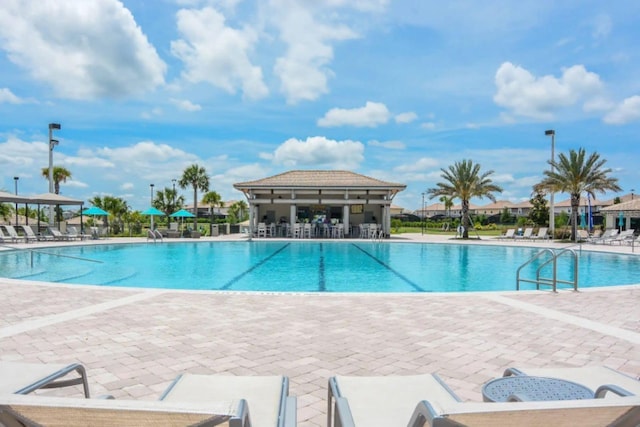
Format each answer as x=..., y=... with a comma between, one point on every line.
x=308, y=266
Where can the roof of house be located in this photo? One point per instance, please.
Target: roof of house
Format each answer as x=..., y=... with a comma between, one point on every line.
x=319, y=179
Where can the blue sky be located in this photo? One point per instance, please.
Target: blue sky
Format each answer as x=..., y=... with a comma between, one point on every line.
x=391, y=89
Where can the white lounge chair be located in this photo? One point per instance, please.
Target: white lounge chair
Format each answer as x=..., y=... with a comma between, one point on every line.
x=24, y=378
x=606, y=236
x=622, y=237
x=13, y=234
x=382, y=400
x=542, y=234
x=57, y=234
x=528, y=232
x=509, y=234
x=4, y=237
x=205, y=400
x=31, y=235
x=594, y=377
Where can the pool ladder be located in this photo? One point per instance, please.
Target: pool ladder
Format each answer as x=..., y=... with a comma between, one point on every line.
x=553, y=280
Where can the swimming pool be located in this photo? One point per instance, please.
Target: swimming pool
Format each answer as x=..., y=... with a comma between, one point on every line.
x=284, y=266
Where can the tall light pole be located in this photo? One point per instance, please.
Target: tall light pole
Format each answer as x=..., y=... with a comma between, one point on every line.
x=174, y=192
x=552, y=214
x=52, y=143
x=422, y=222
x=15, y=179
x=151, y=185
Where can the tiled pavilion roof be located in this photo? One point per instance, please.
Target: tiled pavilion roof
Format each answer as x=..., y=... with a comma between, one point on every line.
x=319, y=179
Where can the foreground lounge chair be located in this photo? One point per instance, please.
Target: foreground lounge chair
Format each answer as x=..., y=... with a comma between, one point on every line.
x=203, y=400
x=623, y=412
x=24, y=378
x=4, y=237
x=13, y=234
x=611, y=382
x=509, y=234
x=383, y=400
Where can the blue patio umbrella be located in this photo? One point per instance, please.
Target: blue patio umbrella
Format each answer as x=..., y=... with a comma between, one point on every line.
x=95, y=211
x=583, y=220
x=152, y=212
x=182, y=214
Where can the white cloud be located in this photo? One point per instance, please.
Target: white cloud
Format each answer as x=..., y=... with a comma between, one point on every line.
x=6, y=96
x=406, y=117
x=186, y=105
x=217, y=54
x=319, y=151
x=371, y=115
x=392, y=145
x=127, y=186
x=602, y=27
x=422, y=165
x=539, y=97
x=625, y=112
x=428, y=125
x=308, y=33
x=82, y=49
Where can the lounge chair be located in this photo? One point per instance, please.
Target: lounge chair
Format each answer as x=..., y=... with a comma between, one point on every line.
x=606, y=236
x=382, y=400
x=622, y=237
x=72, y=232
x=4, y=237
x=623, y=412
x=542, y=234
x=528, y=232
x=31, y=235
x=13, y=234
x=583, y=235
x=24, y=378
x=509, y=234
x=204, y=400
x=610, y=382
x=57, y=234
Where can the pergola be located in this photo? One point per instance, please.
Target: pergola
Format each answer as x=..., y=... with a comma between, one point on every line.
x=40, y=199
x=304, y=195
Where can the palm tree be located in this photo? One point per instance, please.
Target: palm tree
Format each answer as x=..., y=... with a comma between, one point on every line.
x=448, y=203
x=576, y=174
x=60, y=174
x=212, y=199
x=237, y=212
x=464, y=181
x=115, y=206
x=168, y=201
x=196, y=177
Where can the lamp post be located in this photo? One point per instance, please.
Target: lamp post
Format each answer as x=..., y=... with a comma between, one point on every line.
x=52, y=143
x=422, y=222
x=151, y=204
x=552, y=214
x=15, y=179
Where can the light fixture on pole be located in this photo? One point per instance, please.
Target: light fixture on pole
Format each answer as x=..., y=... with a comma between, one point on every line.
x=151, y=185
x=52, y=143
x=15, y=179
x=552, y=214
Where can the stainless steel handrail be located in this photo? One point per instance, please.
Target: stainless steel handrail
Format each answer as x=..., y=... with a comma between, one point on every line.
x=553, y=281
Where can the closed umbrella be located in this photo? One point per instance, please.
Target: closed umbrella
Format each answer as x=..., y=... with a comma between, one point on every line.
x=583, y=220
x=620, y=220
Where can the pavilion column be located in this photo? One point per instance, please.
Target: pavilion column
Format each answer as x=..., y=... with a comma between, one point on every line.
x=292, y=215
x=345, y=218
x=386, y=219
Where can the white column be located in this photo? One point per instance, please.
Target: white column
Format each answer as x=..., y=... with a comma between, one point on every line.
x=345, y=218
x=292, y=215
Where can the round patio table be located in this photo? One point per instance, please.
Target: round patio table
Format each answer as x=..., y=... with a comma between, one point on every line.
x=529, y=388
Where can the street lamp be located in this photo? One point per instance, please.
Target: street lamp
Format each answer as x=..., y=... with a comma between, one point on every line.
x=422, y=222
x=551, y=207
x=16, y=178
x=52, y=143
x=174, y=192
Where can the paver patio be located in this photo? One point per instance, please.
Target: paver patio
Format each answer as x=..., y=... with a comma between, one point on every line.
x=135, y=341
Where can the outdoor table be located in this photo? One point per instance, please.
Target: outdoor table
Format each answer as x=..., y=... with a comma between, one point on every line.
x=530, y=388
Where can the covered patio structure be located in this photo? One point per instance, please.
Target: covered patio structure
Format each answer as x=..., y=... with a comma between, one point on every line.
x=304, y=196
x=629, y=211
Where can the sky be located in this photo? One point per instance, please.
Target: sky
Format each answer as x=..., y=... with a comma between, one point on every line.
x=395, y=90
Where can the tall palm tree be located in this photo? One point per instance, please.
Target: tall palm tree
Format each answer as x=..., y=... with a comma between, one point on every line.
x=196, y=177
x=575, y=174
x=168, y=201
x=60, y=174
x=115, y=206
x=212, y=199
x=238, y=211
x=464, y=181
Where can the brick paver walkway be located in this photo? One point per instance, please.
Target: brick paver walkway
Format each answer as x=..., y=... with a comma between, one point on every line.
x=134, y=342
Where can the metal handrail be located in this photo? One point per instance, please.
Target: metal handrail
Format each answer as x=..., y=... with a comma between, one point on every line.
x=553, y=281
x=31, y=251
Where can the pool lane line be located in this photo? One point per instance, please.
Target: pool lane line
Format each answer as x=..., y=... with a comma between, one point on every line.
x=231, y=282
x=322, y=284
x=415, y=286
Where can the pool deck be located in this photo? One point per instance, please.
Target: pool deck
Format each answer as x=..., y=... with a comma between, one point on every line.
x=135, y=341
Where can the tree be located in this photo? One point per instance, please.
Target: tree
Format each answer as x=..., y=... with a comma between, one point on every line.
x=575, y=174
x=448, y=204
x=238, y=212
x=115, y=206
x=196, y=177
x=539, y=213
x=60, y=174
x=464, y=181
x=212, y=199
x=168, y=201
x=505, y=216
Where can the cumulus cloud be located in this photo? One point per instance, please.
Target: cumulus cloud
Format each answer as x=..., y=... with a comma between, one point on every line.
x=186, y=105
x=6, y=96
x=308, y=34
x=421, y=165
x=371, y=115
x=82, y=49
x=217, y=54
x=428, y=125
x=526, y=95
x=625, y=112
x=392, y=145
x=406, y=117
x=319, y=151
